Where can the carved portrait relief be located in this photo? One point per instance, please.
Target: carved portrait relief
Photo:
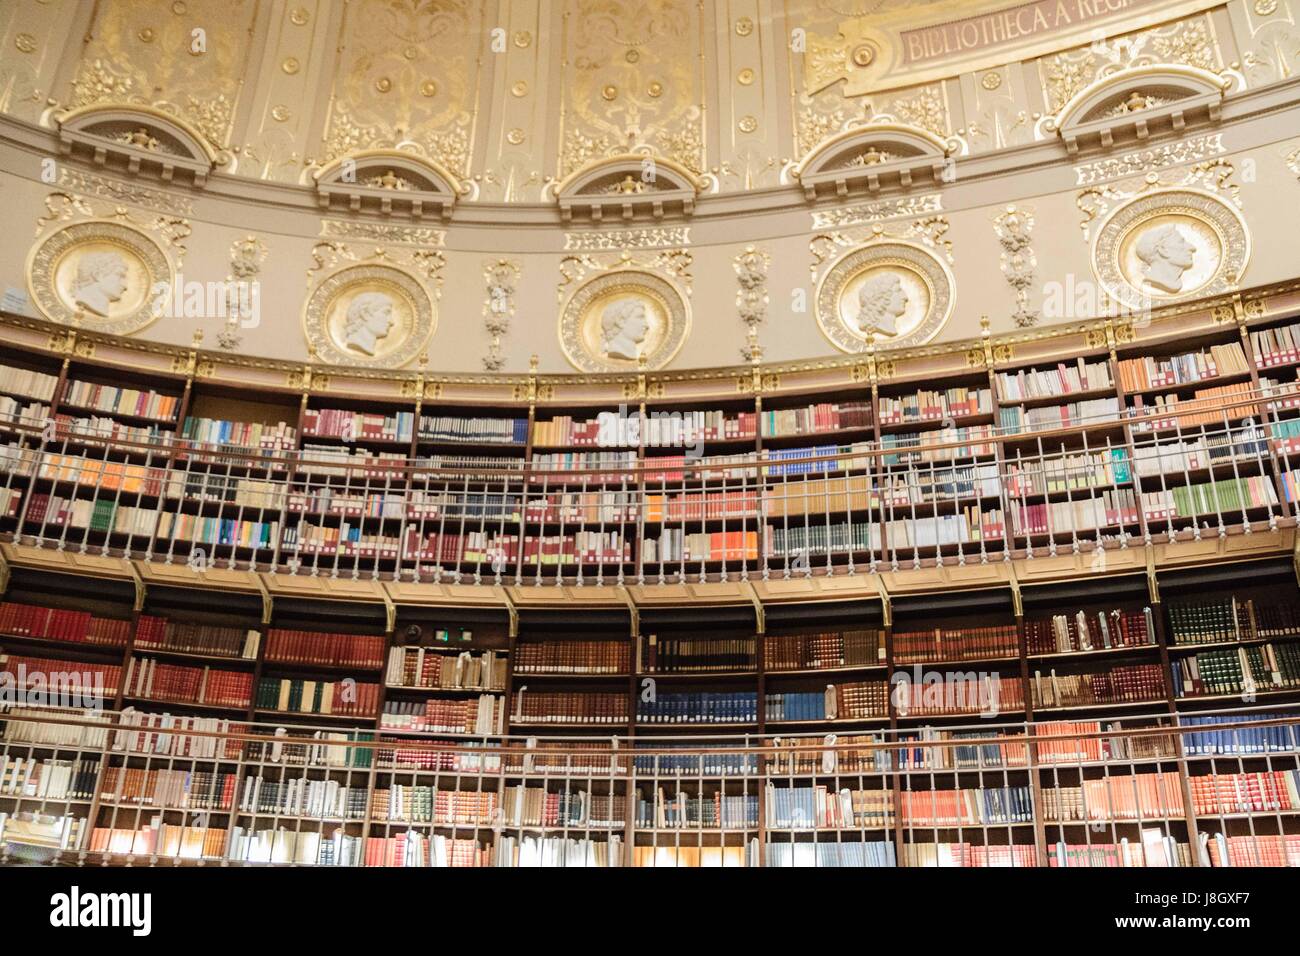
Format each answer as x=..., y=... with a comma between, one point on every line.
x=896, y=292
x=373, y=315
x=103, y=276
x=882, y=301
x=1169, y=245
x=613, y=320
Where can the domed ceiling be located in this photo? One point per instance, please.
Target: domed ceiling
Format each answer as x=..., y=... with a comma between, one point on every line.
x=515, y=97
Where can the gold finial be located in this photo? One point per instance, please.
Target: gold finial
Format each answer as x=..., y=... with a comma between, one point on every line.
x=532, y=364
x=198, y=337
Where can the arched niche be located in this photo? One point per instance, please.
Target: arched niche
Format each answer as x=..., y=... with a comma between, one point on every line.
x=1135, y=104
x=387, y=182
x=872, y=158
x=138, y=140
x=626, y=187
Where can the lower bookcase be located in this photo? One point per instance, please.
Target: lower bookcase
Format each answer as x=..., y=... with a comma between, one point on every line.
x=1211, y=788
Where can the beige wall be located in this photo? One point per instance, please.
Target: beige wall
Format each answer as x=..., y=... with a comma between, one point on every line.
x=1257, y=134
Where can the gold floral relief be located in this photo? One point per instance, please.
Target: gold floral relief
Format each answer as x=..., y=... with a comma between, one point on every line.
x=408, y=78
x=189, y=63
x=1190, y=42
x=632, y=81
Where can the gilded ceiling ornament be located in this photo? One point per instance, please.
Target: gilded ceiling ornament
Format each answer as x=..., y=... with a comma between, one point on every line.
x=745, y=77
x=520, y=88
x=991, y=80
x=1014, y=227
x=515, y=136
x=1190, y=42
x=747, y=124
x=622, y=320
x=1265, y=7
x=608, y=106
x=25, y=43
x=299, y=16
x=523, y=39
x=890, y=292
x=1170, y=245
x=102, y=275
x=752, y=299
x=744, y=27
x=428, y=88
x=375, y=313
x=280, y=113
x=290, y=65
x=501, y=277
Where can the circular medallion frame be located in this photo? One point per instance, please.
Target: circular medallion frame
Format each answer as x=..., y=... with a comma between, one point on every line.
x=592, y=329
x=1170, y=246
x=368, y=315
x=100, y=275
x=926, y=303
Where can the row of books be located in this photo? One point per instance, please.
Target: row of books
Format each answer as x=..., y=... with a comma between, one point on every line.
x=222, y=433
x=572, y=656
x=1221, y=406
x=674, y=544
x=1138, y=796
x=484, y=715
x=1064, y=379
x=95, y=429
x=932, y=404
x=167, y=788
x=1232, y=620
x=700, y=707
x=821, y=807
x=987, y=806
x=324, y=799
x=123, y=401
x=1015, y=419
x=1277, y=346
x=361, y=651
x=795, y=652
x=567, y=707
x=1240, y=670
x=153, y=633
x=38, y=675
x=1251, y=793
x=1127, y=684
x=815, y=419
x=682, y=810
x=339, y=698
x=1073, y=633
x=488, y=431
x=46, y=779
x=956, y=644
x=28, y=383
x=668, y=655
x=429, y=668
x=1066, y=472
x=357, y=426
x=1138, y=374
x=149, y=679
x=958, y=693
x=62, y=624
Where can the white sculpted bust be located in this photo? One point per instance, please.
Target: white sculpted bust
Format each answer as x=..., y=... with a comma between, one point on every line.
x=623, y=328
x=369, y=319
x=881, y=302
x=1166, y=254
x=100, y=281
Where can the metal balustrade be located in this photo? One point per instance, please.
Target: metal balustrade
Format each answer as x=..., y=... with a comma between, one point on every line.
x=1117, y=481
x=1178, y=789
